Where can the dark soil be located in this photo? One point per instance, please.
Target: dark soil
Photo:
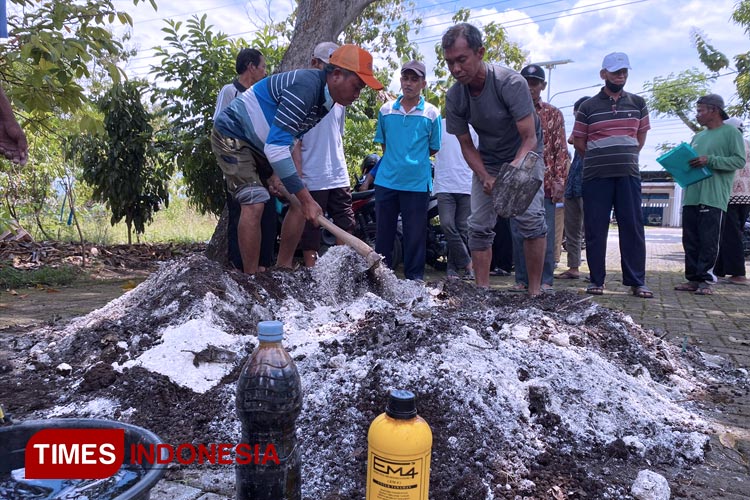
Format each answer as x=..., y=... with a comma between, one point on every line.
x=470, y=459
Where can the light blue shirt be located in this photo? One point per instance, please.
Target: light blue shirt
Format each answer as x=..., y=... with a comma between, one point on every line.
x=408, y=139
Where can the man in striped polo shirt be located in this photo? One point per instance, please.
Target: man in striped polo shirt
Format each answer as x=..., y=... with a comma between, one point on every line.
x=253, y=136
x=610, y=131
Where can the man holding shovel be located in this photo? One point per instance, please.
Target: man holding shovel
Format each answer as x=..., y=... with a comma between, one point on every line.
x=253, y=136
x=497, y=103
x=319, y=157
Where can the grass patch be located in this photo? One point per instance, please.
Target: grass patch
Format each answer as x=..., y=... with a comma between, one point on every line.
x=50, y=276
x=179, y=223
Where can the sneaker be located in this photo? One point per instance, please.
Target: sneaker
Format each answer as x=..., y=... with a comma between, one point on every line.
x=452, y=274
x=469, y=275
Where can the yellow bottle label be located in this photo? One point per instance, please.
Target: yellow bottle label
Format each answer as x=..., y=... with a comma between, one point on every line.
x=398, y=459
x=391, y=478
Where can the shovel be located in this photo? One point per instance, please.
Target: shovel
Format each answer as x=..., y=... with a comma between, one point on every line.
x=515, y=187
x=371, y=256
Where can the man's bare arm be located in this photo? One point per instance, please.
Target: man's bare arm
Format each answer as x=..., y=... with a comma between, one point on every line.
x=474, y=160
x=13, y=143
x=641, y=139
x=527, y=131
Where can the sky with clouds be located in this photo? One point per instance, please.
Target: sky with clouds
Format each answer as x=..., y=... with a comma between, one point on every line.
x=655, y=34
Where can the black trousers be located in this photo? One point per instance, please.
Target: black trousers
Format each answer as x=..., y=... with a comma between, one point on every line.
x=269, y=230
x=502, y=246
x=731, y=259
x=233, y=244
x=701, y=235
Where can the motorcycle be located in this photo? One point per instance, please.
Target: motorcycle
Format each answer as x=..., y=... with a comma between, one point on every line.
x=365, y=226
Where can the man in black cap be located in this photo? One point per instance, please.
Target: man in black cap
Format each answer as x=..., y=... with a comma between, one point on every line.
x=720, y=149
x=556, y=163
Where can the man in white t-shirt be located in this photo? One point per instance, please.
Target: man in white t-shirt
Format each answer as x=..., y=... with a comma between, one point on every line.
x=251, y=68
x=452, y=186
x=319, y=157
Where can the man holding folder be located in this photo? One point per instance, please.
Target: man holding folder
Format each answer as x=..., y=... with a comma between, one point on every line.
x=720, y=148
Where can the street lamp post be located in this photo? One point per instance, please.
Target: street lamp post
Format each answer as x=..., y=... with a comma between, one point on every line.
x=550, y=65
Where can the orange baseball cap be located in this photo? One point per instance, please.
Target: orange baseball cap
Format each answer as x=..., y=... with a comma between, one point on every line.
x=357, y=60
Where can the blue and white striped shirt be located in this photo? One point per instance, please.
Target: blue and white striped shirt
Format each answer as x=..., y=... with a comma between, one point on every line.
x=275, y=111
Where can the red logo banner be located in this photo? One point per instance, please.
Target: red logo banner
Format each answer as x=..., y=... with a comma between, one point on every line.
x=74, y=453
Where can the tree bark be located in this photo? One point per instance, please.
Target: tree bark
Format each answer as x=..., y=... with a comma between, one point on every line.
x=216, y=249
x=319, y=21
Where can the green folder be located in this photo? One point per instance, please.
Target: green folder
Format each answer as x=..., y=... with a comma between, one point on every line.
x=676, y=162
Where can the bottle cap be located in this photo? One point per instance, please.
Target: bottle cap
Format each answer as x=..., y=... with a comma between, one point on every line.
x=401, y=405
x=270, y=331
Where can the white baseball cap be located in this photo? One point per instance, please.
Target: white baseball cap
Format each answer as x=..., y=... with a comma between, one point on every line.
x=324, y=50
x=615, y=62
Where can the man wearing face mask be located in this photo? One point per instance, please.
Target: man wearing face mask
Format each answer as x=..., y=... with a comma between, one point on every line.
x=609, y=132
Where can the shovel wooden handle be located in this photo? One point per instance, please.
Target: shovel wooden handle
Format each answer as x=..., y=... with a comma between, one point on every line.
x=359, y=246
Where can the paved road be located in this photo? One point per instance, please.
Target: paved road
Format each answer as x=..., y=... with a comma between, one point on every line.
x=718, y=324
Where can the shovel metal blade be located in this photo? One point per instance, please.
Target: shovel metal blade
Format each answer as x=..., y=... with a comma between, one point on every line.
x=515, y=187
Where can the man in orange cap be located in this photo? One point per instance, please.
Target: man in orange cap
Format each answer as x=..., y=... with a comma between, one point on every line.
x=253, y=136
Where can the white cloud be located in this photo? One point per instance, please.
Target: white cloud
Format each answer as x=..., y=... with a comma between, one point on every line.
x=654, y=33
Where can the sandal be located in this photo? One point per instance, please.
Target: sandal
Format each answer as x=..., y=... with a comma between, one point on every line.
x=567, y=275
x=642, y=292
x=704, y=290
x=690, y=286
x=595, y=290
x=518, y=287
x=736, y=280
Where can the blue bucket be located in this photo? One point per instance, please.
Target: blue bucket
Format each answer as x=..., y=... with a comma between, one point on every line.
x=13, y=441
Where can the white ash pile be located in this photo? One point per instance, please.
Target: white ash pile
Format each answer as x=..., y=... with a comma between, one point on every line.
x=522, y=395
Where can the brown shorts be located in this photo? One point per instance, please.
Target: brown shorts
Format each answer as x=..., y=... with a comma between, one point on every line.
x=242, y=165
x=337, y=203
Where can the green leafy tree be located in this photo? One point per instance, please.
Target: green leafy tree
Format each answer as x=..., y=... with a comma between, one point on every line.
x=52, y=47
x=716, y=61
x=195, y=63
x=741, y=16
x=676, y=95
x=316, y=21
x=55, y=51
x=499, y=49
x=123, y=165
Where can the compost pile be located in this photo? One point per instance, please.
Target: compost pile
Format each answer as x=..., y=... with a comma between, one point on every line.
x=553, y=397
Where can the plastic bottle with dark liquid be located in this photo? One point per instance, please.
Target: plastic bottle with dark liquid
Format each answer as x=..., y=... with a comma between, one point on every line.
x=269, y=400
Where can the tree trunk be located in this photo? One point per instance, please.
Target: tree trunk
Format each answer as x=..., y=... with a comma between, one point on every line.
x=317, y=21
x=687, y=121
x=217, y=247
